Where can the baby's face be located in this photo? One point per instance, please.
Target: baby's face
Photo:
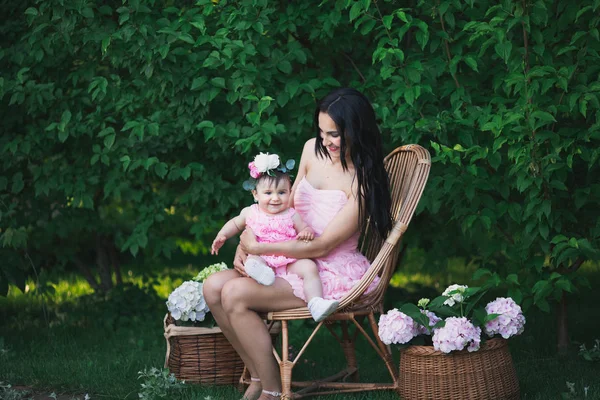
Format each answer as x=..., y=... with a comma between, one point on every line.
x=272, y=198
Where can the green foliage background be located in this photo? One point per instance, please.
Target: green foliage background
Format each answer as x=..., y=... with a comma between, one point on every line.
x=128, y=124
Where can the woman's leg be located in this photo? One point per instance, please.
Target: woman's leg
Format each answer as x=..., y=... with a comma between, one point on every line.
x=241, y=300
x=212, y=288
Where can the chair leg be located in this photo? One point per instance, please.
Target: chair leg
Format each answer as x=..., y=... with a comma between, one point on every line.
x=285, y=366
x=389, y=362
x=348, y=347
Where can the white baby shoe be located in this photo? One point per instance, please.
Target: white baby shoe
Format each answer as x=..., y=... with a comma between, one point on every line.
x=320, y=308
x=257, y=269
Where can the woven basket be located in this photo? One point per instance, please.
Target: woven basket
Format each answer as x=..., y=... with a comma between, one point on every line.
x=201, y=355
x=486, y=374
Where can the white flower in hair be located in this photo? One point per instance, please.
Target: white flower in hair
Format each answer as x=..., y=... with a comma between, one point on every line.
x=265, y=162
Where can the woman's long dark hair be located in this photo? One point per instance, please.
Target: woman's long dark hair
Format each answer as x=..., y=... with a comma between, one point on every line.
x=355, y=120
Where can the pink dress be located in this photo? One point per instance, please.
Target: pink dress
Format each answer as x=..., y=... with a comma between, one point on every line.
x=341, y=269
x=270, y=228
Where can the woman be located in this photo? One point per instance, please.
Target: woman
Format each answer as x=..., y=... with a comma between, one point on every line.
x=341, y=182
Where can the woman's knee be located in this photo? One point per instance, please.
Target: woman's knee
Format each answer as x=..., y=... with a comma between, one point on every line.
x=213, y=286
x=235, y=295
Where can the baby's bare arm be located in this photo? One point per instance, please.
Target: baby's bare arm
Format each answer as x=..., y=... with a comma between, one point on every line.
x=231, y=228
x=305, y=232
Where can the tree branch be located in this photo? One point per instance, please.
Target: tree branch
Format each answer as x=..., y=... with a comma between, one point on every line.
x=576, y=264
x=355, y=67
x=447, y=46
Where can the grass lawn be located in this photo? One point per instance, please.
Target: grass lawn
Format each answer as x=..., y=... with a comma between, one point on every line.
x=98, y=347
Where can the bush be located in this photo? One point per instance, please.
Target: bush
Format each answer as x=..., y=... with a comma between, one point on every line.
x=128, y=124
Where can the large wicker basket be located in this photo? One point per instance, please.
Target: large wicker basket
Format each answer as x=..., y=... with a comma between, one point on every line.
x=486, y=374
x=201, y=355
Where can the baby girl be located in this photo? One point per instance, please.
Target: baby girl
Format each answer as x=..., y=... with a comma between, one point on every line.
x=272, y=220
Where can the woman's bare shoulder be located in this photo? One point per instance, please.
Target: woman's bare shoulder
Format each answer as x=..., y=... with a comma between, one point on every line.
x=309, y=146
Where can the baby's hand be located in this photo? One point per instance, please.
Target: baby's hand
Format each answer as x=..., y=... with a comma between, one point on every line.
x=306, y=234
x=217, y=244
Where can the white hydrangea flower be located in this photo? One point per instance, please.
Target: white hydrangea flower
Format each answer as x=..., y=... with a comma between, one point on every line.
x=454, y=297
x=265, y=161
x=186, y=303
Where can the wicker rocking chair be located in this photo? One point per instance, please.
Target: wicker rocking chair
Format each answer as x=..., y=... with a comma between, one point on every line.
x=408, y=168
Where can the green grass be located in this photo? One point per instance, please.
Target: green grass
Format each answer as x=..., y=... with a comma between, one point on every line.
x=98, y=347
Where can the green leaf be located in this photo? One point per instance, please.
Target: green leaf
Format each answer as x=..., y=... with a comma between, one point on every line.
x=516, y=295
x=66, y=117
x=31, y=11
x=513, y=278
x=105, y=44
x=218, y=82
x=415, y=313
x=409, y=96
x=129, y=125
x=18, y=183
x=109, y=140
x=480, y=273
x=63, y=135
x=355, y=11
x=285, y=67
x=471, y=62
x=543, y=305
x=387, y=21
x=198, y=82
x=126, y=161
x=161, y=169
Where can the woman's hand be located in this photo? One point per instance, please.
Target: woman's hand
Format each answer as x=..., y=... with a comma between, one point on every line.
x=248, y=241
x=239, y=259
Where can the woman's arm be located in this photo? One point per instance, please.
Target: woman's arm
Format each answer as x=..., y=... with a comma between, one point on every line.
x=307, y=154
x=341, y=227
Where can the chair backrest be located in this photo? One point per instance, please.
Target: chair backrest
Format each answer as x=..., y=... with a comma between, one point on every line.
x=408, y=169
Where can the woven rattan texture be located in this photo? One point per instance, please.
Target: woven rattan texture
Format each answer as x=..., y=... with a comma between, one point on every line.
x=486, y=374
x=207, y=358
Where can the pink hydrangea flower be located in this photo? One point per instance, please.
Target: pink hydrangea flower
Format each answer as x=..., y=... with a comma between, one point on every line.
x=253, y=170
x=457, y=334
x=433, y=319
x=396, y=327
x=511, y=320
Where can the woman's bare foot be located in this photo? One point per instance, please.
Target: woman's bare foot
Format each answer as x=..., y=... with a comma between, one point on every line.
x=253, y=392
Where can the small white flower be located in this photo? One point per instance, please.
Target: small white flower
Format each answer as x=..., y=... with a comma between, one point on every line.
x=456, y=294
x=86, y=397
x=265, y=161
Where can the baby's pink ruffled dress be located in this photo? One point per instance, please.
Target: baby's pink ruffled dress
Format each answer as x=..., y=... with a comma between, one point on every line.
x=270, y=228
x=341, y=269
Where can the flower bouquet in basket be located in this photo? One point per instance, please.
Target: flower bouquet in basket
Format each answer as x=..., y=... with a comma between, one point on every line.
x=451, y=340
x=186, y=303
x=197, y=350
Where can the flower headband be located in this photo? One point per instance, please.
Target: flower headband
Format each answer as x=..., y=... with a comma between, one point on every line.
x=265, y=163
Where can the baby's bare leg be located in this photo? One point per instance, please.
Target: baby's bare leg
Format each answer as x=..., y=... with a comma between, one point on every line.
x=313, y=289
x=308, y=271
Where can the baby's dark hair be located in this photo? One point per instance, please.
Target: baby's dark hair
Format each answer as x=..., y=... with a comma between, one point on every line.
x=274, y=179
